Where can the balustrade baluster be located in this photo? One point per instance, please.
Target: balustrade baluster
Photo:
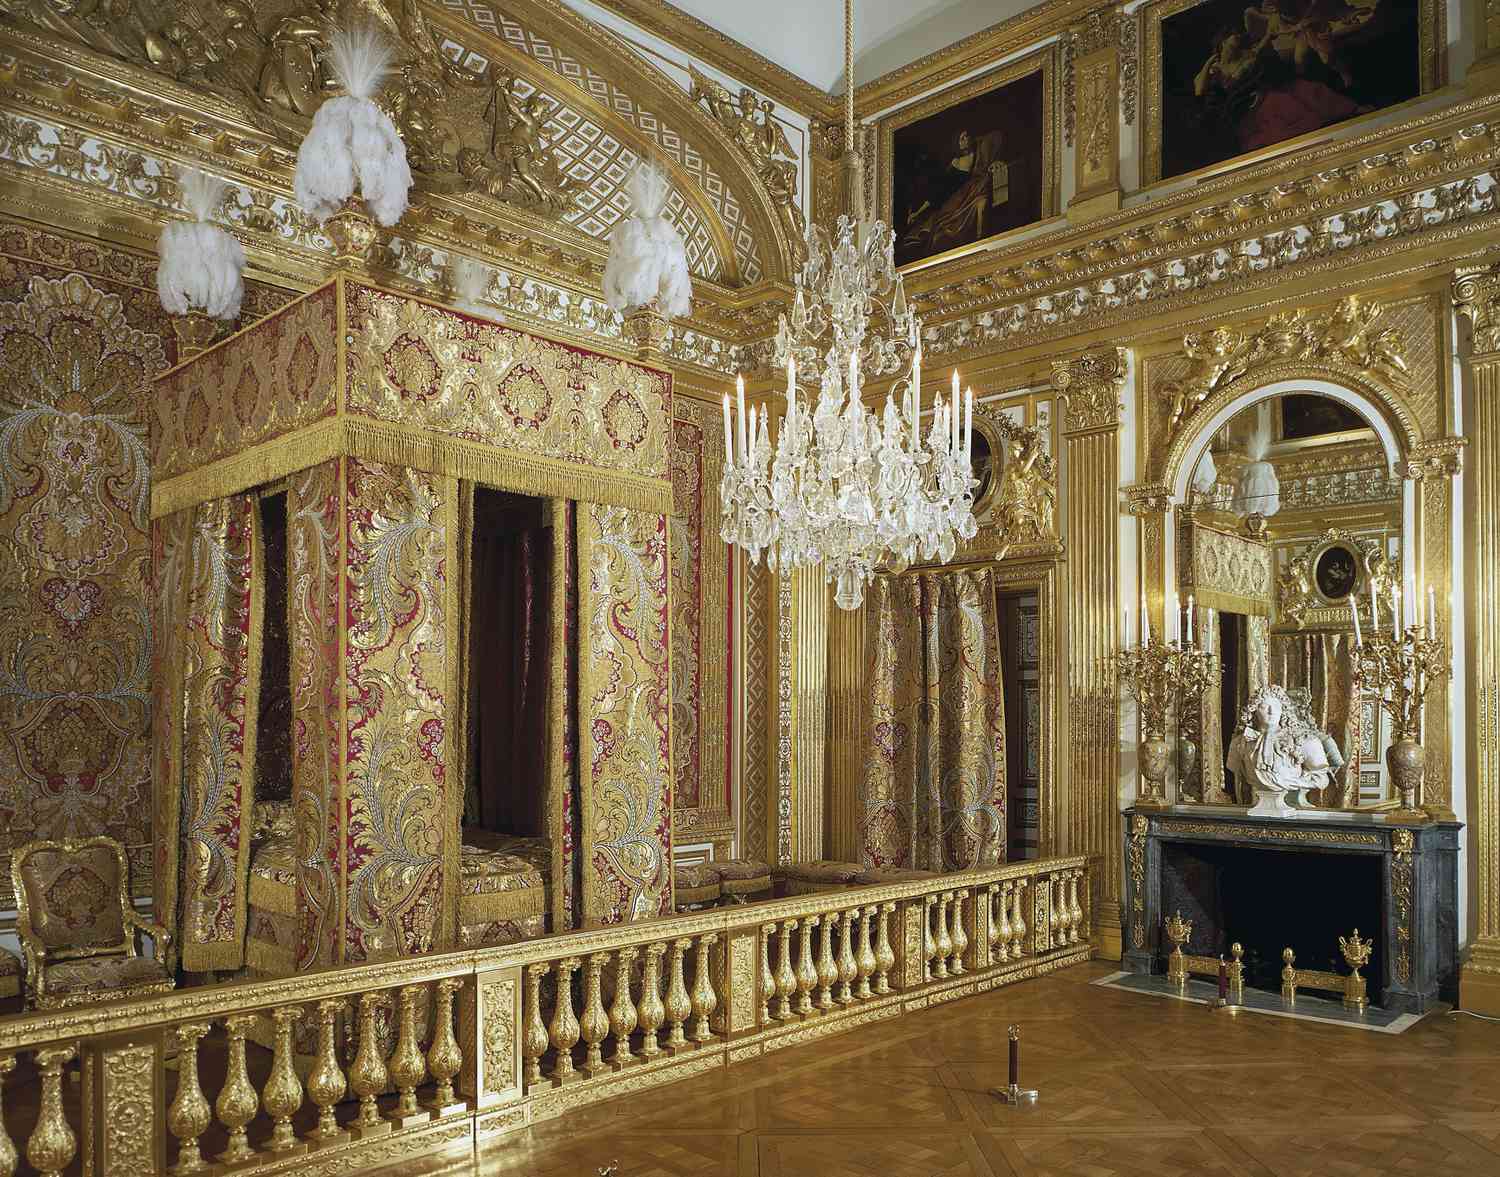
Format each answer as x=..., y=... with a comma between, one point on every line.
x=444, y=1057
x=9, y=1159
x=189, y=1114
x=652, y=1011
x=848, y=966
x=237, y=1102
x=1018, y=921
x=534, y=1036
x=704, y=999
x=1056, y=913
x=52, y=1142
x=595, y=1023
x=1001, y=935
x=807, y=971
x=367, y=1073
x=325, y=1083
x=960, y=935
x=929, y=941
x=944, y=940
x=407, y=1066
x=767, y=977
x=864, y=956
x=1074, y=908
x=622, y=1018
x=679, y=1003
x=885, y=955
x=565, y=1029
x=828, y=968
x=786, y=979
x=282, y=1095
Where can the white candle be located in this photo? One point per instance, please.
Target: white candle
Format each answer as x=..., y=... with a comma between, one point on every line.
x=1354, y=613
x=739, y=388
x=1190, y=619
x=969, y=422
x=728, y=437
x=752, y=432
x=1125, y=637
x=791, y=391
x=1145, y=621
x=1431, y=612
x=953, y=420
x=916, y=397
x=1417, y=605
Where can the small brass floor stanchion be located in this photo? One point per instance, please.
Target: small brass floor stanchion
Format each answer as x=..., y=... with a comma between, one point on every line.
x=1014, y=1093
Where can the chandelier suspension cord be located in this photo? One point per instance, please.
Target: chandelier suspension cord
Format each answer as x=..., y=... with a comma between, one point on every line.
x=848, y=75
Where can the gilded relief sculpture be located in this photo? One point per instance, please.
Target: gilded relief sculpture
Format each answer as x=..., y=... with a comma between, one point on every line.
x=751, y=124
x=1027, y=491
x=465, y=132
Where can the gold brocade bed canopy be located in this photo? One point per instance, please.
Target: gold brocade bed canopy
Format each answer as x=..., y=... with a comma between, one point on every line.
x=378, y=413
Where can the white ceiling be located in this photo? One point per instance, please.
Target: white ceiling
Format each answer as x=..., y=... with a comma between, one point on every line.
x=807, y=36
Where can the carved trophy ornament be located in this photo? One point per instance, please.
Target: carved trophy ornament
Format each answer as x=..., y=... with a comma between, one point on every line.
x=1279, y=756
x=1027, y=491
x=464, y=132
x=751, y=124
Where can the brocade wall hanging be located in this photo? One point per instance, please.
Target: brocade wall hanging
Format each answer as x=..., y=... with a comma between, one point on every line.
x=935, y=775
x=623, y=697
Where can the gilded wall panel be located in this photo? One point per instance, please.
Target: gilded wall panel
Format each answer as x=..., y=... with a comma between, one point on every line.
x=400, y=803
x=79, y=341
x=623, y=701
x=278, y=377
x=759, y=684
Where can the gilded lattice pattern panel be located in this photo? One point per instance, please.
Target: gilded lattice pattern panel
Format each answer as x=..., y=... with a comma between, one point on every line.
x=758, y=689
x=601, y=163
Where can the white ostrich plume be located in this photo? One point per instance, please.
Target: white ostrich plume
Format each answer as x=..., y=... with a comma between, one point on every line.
x=202, y=267
x=1257, y=490
x=352, y=142
x=471, y=283
x=1206, y=477
x=646, y=256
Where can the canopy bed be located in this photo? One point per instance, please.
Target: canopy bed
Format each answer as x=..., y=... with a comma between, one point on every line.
x=412, y=680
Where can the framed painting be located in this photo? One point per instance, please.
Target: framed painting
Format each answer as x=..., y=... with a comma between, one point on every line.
x=1307, y=415
x=1242, y=79
x=970, y=163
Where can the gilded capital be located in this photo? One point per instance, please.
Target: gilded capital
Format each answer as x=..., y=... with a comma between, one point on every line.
x=1147, y=498
x=1476, y=296
x=1090, y=388
x=1440, y=458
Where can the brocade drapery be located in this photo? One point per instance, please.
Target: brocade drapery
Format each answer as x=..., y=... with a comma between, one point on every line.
x=934, y=778
x=623, y=697
x=209, y=585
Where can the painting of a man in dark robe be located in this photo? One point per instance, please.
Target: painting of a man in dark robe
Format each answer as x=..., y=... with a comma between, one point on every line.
x=968, y=172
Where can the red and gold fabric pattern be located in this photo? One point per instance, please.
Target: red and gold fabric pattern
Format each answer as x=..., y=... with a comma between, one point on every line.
x=625, y=785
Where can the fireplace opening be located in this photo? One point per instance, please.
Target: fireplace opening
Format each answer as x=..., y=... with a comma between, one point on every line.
x=1267, y=900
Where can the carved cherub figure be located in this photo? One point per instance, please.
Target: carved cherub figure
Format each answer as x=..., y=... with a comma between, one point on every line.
x=1219, y=357
x=1350, y=338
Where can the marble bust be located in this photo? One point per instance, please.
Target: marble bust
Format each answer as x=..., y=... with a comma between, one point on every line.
x=1279, y=756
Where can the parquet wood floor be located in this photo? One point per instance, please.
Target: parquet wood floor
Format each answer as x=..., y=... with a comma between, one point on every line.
x=1132, y=1086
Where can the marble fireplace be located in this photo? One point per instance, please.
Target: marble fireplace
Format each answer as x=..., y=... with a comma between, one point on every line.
x=1271, y=883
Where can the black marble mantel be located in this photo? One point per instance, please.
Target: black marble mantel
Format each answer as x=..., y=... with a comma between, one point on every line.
x=1418, y=947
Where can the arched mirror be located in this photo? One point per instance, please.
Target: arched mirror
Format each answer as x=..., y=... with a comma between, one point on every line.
x=1292, y=523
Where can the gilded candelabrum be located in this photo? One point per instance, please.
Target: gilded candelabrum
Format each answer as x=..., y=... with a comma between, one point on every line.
x=1397, y=670
x=1156, y=673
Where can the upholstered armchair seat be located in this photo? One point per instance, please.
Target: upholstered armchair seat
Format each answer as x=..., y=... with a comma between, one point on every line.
x=891, y=874
x=78, y=927
x=743, y=879
x=807, y=878
x=695, y=885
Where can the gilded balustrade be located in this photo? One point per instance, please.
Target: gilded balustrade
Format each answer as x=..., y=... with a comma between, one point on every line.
x=533, y=1029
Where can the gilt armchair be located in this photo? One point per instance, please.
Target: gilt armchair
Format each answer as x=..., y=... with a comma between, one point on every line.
x=78, y=927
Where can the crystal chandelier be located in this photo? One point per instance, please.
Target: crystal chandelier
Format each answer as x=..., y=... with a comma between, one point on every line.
x=835, y=484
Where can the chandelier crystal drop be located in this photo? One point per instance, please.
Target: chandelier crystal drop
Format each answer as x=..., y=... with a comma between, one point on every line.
x=834, y=484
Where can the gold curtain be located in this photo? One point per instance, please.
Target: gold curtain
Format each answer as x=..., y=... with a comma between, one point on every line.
x=625, y=767
x=934, y=776
x=209, y=614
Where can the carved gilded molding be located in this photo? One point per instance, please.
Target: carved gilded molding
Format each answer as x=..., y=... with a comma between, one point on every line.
x=1089, y=388
x=1142, y=499
x=1476, y=296
x=1442, y=457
